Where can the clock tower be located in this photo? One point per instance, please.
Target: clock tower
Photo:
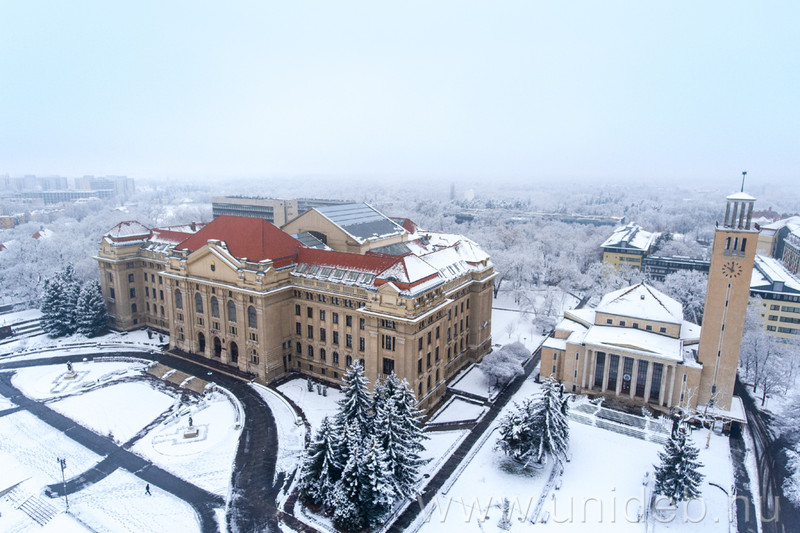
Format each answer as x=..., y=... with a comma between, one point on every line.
x=727, y=295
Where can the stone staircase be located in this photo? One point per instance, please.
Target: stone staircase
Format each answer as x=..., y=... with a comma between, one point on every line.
x=26, y=328
x=38, y=510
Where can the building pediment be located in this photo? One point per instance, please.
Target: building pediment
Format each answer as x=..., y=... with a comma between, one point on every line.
x=213, y=261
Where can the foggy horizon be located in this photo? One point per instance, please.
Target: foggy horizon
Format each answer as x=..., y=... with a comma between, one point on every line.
x=516, y=93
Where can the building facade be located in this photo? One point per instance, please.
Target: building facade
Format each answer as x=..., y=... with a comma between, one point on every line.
x=249, y=295
x=636, y=346
x=779, y=290
x=658, y=267
x=628, y=245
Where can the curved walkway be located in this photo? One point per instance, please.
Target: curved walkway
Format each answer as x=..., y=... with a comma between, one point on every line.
x=253, y=494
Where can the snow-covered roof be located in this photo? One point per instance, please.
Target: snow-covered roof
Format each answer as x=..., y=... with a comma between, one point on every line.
x=555, y=344
x=584, y=316
x=638, y=340
x=740, y=196
x=631, y=236
x=642, y=301
x=768, y=271
x=129, y=229
x=690, y=331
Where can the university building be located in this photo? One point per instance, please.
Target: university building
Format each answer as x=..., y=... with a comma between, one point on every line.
x=780, y=297
x=628, y=245
x=337, y=284
x=636, y=347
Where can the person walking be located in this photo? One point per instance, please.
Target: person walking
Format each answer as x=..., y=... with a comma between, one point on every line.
x=147, y=489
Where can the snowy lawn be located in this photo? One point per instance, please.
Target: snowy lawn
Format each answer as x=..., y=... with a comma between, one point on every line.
x=5, y=403
x=205, y=460
x=457, y=410
x=120, y=409
x=604, y=476
x=472, y=380
x=439, y=446
x=131, y=339
x=36, y=446
x=291, y=431
x=314, y=406
x=119, y=503
x=50, y=381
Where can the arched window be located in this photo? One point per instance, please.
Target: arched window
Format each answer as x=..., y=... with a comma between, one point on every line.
x=214, y=307
x=198, y=303
x=178, y=299
x=252, y=317
x=231, y=311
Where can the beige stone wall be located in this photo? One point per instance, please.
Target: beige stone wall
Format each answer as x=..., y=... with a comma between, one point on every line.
x=663, y=328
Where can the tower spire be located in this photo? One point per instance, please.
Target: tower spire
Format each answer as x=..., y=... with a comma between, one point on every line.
x=744, y=175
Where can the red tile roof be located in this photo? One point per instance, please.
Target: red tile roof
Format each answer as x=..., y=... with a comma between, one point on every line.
x=169, y=236
x=253, y=238
x=363, y=263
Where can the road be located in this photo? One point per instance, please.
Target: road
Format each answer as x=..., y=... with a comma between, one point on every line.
x=254, y=489
x=778, y=515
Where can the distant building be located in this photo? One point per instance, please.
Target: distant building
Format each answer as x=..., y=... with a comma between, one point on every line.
x=11, y=221
x=772, y=237
x=337, y=284
x=628, y=245
x=279, y=212
x=780, y=295
x=274, y=210
x=658, y=267
x=120, y=185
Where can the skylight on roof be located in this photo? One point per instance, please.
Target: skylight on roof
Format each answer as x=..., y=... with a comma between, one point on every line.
x=367, y=278
x=325, y=272
x=313, y=270
x=338, y=273
x=352, y=276
x=302, y=267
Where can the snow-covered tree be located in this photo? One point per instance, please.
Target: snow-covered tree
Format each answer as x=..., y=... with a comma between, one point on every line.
x=689, y=288
x=355, y=402
x=348, y=509
x=320, y=471
x=377, y=487
x=59, y=303
x=91, y=309
x=398, y=430
x=501, y=366
x=678, y=476
x=538, y=428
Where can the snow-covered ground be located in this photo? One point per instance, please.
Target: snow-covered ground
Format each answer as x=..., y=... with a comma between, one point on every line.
x=604, y=476
x=119, y=398
x=472, y=380
x=457, y=410
x=514, y=315
x=291, y=431
x=78, y=344
x=314, y=405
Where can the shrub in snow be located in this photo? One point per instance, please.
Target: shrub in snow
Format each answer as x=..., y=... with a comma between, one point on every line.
x=310, y=385
x=677, y=477
x=519, y=350
x=538, y=428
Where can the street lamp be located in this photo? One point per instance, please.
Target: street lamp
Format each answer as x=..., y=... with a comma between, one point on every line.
x=63, y=464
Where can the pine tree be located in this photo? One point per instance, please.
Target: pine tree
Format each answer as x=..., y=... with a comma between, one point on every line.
x=49, y=306
x=377, y=492
x=355, y=402
x=348, y=511
x=64, y=318
x=398, y=429
x=320, y=471
x=538, y=428
x=678, y=477
x=91, y=309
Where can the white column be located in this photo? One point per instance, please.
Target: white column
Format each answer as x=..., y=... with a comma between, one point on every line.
x=592, y=366
x=585, y=368
x=648, y=381
x=620, y=362
x=672, y=385
x=606, y=364
x=664, y=373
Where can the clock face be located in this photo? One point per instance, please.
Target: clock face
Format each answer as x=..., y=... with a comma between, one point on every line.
x=731, y=269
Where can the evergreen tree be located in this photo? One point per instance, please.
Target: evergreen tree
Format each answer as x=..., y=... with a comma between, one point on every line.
x=91, y=309
x=398, y=429
x=678, y=477
x=49, y=306
x=538, y=428
x=64, y=318
x=377, y=485
x=348, y=511
x=355, y=402
x=320, y=470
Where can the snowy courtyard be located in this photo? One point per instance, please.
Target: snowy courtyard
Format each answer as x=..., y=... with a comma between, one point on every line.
x=130, y=409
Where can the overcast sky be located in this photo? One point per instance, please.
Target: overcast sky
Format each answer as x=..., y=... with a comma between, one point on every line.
x=536, y=90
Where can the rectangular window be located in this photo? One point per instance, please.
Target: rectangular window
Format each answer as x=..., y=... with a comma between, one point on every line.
x=335, y=337
x=310, y=332
x=361, y=323
x=419, y=366
x=388, y=365
x=298, y=347
x=322, y=334
x=599, y=368
x=335, y=318
x=662, y=330
x=335, y=358
x=297, y=309
x=436, y=354
x=428, y=360
x=348, y=341
x=429, y=338
x=132, y=292
x=655, y=382
x=130, y=278
x=609, y=321
x=648, y=328
x=437, y=332
x=147, y=292
x=362, y=344
x=322, y=314
x=419, y=341
x=348, y=321
x=298, y=328
x=613, y=370
x=641, y=377
x=310, y=312
x=111, y=292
